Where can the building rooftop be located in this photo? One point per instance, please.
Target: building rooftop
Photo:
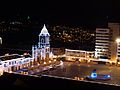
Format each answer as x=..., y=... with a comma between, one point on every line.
x=9, y=57
x=12, y=56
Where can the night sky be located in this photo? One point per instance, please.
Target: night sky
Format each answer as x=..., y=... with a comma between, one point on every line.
x=85, y=12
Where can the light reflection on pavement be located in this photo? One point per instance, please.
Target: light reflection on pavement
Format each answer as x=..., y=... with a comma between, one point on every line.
x=72, y=70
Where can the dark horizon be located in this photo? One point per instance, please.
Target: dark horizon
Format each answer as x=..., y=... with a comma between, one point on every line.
x=86, y=13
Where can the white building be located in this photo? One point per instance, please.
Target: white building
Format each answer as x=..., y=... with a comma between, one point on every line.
x=14, y=62
x=102, y=44
x=42, y=51
x=82, y=55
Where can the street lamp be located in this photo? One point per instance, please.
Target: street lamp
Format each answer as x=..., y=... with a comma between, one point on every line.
x=49, y=61
x=44, y=63
x=0, y=40
x=38, y=64
x=118, y=40
x=55, y=60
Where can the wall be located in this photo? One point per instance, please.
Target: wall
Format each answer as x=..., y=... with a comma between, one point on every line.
x=15, y=81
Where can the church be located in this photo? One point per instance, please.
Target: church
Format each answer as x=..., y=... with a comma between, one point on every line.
x=42, y=50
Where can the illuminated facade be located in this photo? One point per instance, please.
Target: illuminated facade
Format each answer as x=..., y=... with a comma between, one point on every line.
x=82, y=55
x=42, y=51
x=114, y=45
x=102, y=44
x=14, y=62
x=118, y=49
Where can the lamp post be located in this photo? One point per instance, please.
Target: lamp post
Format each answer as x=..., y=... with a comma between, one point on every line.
x=117, y=48
x=0, y=40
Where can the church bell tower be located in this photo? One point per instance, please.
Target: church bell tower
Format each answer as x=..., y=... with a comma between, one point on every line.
x=44, y=43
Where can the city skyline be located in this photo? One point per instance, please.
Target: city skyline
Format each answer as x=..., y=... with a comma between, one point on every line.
x=60, y=41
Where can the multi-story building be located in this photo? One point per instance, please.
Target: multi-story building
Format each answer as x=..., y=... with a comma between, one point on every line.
x=14, y=62
x=102, y=44
x=107, y=44
x=114, y=43
x=58, y=51
x=82, y=55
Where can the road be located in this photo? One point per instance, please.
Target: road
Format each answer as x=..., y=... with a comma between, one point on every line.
x=74, y=69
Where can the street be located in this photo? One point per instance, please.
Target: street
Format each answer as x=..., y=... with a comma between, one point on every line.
x=77, y=71
x=73, y=70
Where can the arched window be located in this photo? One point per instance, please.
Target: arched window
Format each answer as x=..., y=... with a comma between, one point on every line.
x=42, y=40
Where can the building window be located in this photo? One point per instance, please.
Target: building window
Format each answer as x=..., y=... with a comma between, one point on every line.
x=5, y=65
x=12, y=62
x=20, y=62
x=118, y=55
x=42, y=40
x=102, y=30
